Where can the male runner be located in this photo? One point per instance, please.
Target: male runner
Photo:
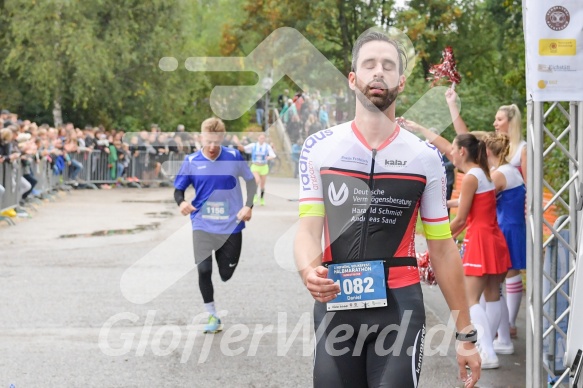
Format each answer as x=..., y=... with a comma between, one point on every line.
x=261, y=153
x=363, y=183
x=217, y=210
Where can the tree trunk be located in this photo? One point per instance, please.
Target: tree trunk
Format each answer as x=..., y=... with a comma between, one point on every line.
x=346, y=53
x=346, y=45
x=57, y=109
x=57, y=112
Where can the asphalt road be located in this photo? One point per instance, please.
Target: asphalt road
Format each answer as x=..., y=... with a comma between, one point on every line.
x=117, y=304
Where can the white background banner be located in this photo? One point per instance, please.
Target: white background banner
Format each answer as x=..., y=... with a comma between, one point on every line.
x=553, y=33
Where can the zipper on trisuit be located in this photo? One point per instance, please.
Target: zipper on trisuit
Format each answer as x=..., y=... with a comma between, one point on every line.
x=364, y=231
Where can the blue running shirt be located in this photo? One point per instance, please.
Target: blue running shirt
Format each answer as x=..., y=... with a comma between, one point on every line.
x=218, y=196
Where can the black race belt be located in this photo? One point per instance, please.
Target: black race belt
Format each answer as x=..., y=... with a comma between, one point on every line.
x=387, y=263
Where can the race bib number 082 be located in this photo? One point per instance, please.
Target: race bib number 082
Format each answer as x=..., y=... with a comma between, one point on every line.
x=362, y=285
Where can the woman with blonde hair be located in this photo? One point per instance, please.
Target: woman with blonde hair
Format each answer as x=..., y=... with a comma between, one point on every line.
x=510, y=201
x=507, y=121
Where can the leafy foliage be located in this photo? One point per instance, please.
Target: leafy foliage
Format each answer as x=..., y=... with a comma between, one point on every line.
x=99, y=58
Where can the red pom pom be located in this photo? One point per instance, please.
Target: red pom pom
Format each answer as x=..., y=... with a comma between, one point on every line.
x=426, y=273
x=446, y=69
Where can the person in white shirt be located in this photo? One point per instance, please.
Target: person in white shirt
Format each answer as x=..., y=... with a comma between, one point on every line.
x=261, y=153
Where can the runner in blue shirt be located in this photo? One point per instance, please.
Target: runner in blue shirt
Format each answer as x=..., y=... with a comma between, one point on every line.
x=217, y=212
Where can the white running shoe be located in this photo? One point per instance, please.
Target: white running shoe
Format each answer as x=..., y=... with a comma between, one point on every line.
x=489, y=362
x=502, y=348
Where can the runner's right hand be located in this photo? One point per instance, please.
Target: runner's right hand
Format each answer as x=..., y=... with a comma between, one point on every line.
x=321, y=288
x=186, y=208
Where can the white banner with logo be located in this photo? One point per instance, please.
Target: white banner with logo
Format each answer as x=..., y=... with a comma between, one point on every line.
x=554, y=49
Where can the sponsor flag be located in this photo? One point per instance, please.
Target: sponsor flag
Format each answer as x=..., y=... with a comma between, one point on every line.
x=554, y=49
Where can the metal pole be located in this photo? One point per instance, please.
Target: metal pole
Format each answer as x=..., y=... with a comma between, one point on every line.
x=554, y=257
x=574, y=188
x=266, y=112
x=579, y=142
x=534, y=375
x=538, y=253
x=574, y=169
x=267, y=83
x=529, y=240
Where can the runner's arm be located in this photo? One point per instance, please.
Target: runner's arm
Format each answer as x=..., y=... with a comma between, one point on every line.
x=248, y=148
x=178, y=196
x=308, y=245
x=181, y=183
x=308, y=256
x=271, y=153
x=447, y=265
x=251, y=186
x=446, y=262
x=185, y=206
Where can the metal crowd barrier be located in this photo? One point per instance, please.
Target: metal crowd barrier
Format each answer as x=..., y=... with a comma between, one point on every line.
x=172, y=165
x=95, y=169
x=42, y=173
x=10, y=174
x=140, y=164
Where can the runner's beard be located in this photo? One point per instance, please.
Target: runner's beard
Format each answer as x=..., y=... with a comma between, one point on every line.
x=376, y=102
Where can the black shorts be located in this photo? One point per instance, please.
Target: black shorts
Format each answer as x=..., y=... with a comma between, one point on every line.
x=224, y=245
x=375, y=347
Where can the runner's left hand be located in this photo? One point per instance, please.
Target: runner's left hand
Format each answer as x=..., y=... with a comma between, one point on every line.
x=468, y=355
x=245, y=213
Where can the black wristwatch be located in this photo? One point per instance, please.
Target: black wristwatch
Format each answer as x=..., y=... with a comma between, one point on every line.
x=471, y=336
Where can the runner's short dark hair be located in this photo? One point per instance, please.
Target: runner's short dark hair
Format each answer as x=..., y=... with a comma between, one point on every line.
x=371, y=36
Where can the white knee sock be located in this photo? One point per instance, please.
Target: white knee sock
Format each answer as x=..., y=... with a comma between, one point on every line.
x=513, y=297
x=504, y=326
x=210, y=308
x=483, y=302
x=493, y=312
x=480, y=321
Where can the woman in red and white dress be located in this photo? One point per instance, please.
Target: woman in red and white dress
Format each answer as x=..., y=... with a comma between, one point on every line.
x=486, y=259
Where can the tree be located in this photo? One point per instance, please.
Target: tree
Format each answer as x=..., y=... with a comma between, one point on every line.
x=487, y=40
x=331, y=25
x=97, y=61
x=49, y=42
